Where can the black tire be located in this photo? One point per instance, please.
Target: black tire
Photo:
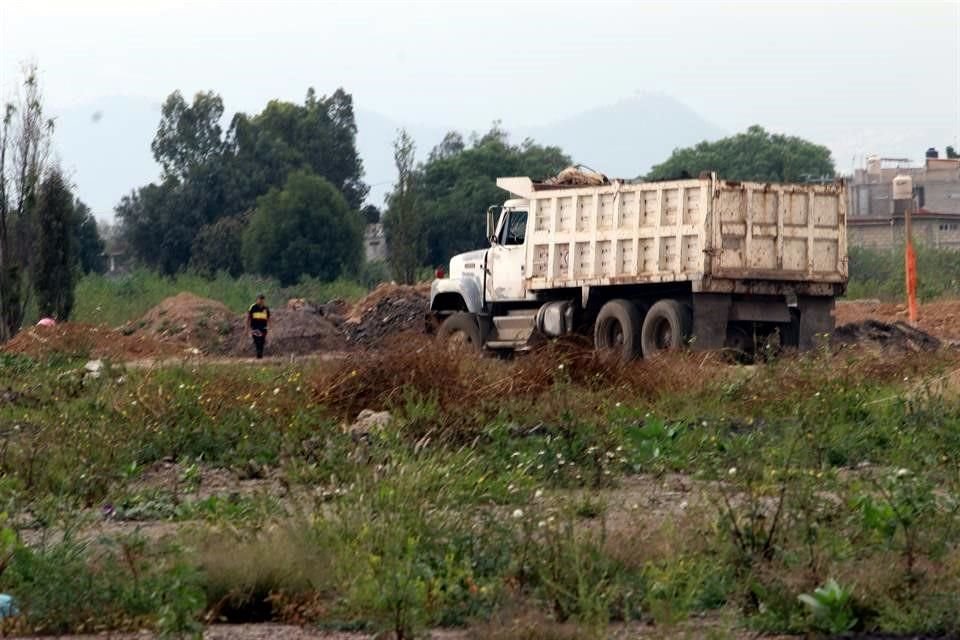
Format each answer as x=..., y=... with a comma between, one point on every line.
x=617, y=330
x=666, y=327
x=460, y=330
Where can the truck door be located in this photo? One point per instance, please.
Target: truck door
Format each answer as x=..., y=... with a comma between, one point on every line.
x=506, y=259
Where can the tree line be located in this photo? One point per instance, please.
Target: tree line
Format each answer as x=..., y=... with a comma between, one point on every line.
x=280, y=193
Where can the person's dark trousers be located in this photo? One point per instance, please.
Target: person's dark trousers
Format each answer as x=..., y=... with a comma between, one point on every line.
x=258, y=342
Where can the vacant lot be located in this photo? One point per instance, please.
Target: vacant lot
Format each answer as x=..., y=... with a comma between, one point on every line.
x=556, y=495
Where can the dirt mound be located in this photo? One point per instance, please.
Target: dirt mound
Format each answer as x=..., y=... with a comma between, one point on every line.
x=292, y=332
x=897, y=336
x=388, y=310
x=87, y=341
x=190, y=321
x=940, y=319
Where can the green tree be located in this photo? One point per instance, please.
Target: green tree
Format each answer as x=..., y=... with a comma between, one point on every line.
x=371, y=214
x=305, y=228
x=189, y=135
x=458, y=182
x=403, y=222
x=319, y=135
x=24, y=148
x=951, y=153
x=208, y=176
x=53, y=272
x=752, y=155
x=219, y=247
x=88, y=245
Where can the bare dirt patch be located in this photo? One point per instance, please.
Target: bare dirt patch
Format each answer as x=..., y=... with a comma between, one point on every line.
x=87, y=341
x=940, y=319
x=292, y=332
x=190, y=321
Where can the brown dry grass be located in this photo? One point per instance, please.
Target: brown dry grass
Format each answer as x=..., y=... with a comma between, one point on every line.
x=383, y=378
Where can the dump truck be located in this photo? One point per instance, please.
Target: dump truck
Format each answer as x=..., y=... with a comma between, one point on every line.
x=644, y=267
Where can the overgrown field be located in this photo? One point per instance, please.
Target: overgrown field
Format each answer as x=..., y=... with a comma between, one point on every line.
x=880, y=274
x=554, y=495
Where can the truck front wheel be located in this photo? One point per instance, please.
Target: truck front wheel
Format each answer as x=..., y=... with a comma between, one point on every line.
x=666, y=327
x=460, y=331
x=617, y=329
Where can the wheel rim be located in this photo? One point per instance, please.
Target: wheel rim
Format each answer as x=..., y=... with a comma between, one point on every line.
x=458, y=340
x=614, y=334
x=663, y=335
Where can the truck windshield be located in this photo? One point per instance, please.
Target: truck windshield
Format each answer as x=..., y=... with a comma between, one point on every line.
x=514, y=229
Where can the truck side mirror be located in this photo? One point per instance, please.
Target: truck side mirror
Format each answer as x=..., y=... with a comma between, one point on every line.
x=493, y=212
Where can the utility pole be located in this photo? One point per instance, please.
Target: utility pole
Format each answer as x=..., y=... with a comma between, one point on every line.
x=903, y=191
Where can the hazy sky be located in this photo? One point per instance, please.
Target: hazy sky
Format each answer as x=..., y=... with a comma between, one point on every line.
x=831, y=70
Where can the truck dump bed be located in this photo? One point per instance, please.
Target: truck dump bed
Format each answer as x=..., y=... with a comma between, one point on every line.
x=716, y=234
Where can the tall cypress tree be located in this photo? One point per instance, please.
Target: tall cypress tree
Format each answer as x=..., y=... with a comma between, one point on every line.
x=53, y=277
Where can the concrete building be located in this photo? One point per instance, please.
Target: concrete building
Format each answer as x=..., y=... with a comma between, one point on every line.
x=875, y=219
x=374, y=243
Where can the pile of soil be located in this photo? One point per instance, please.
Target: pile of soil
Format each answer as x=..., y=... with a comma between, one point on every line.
x=898, y=336
x=190, y=321
x=292, y=332
x=940, y=319
x=388, y=310
x=87, y=341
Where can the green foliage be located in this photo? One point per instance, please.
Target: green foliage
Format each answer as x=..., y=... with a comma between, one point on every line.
x=319, y=136
x=208, y=176
x=458, y=182
x=87, y=243
x=64, y=586
x=218, y=247
x=580, y=581
x=24, y=143
x=306, y=228
x=53, y=271
x=189, y=135
x=752, y=155
x=830, y=607
x=404, y=220
x=880, y=274
x=116, y=301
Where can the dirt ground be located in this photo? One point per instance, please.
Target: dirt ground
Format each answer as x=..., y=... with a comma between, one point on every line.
x=89, y=340
x=186, y=325
x=940, y=319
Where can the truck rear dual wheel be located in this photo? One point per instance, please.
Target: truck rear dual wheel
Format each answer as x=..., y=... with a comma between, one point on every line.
x=460, y=331
x=617, y=330
x=666, y=327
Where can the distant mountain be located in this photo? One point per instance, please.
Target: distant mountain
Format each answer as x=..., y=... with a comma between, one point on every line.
x=625, y=139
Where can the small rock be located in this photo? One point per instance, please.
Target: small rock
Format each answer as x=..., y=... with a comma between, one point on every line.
x=93, y=368
x=367, y=422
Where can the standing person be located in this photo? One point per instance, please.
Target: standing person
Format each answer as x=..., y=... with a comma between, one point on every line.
x=258, y=317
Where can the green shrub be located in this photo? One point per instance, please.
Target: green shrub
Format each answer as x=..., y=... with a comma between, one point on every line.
x=880, y=274
x=68, y=586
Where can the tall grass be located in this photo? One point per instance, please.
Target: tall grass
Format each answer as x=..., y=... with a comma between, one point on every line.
x=880, y=274
x=116, y=300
